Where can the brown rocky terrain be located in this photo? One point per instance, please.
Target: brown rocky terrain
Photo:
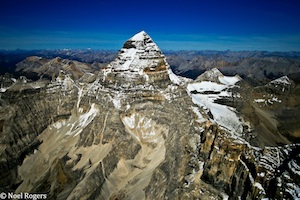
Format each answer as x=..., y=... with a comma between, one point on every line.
x=135, y=130
x=38, y=67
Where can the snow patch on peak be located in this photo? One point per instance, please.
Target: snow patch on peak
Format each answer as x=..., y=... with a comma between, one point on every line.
x=140, y=36
x=207, y=91
x=210, y=75
x=215, y=71
x=215, y=75
x=282, y=80
x=227, y=80
x=174, y=78
x=140, y=61
x=280, y=85
x=137, y=53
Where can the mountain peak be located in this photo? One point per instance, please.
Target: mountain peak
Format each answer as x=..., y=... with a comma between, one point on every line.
x=138, y=53
x=140, y=61
x=141, y=41
x=214, y=75
x=141, y=36
x=284, y=80
x=210, y=75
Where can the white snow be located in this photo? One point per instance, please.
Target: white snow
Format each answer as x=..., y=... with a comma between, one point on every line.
x=130, y=121
x=259, y=100
x=206, y=86
x=270, y=99
x=261, y=174
x=117, y=102
x=131, y=62
x=130, y=55
x=295, y=168
x=86, y=118
x=223, y=115
x=80, y=90
x=200, y=119
x=83, y=120
x=139, y=36
x=174, y=78
x=283, y=80
x=275, y=99
x=3, y=89
x=132, y=59
x=227, y=80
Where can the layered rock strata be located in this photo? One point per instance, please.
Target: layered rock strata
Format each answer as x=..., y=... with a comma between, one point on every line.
x=136, y=131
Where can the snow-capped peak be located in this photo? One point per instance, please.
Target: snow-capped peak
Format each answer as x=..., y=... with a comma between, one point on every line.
x=141, y=41
x=280, y=85
x=214, y=75
x=137, y=53
x=140, y=36
x=211, y=86
x=210, y=75
x=140, y=61
x=282, y=80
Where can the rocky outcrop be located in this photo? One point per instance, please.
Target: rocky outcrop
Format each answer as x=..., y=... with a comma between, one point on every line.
x=137, y=131
x=25, y=113
x=36, y=67
x=139, y=62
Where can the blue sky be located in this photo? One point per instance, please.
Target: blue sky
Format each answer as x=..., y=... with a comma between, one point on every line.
x=173, y=25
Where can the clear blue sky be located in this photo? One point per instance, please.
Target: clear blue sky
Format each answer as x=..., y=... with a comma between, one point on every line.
x=272, y=25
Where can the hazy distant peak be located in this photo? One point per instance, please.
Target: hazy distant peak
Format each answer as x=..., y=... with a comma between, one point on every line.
x=210, y=75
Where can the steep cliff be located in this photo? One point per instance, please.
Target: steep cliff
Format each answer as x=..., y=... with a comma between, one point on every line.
x=137, y=131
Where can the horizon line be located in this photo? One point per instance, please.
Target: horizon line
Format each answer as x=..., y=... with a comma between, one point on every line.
x=163, y=50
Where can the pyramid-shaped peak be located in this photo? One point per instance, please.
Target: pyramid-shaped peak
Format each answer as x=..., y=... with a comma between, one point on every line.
x=210, y=75
x=141, y=36
x=214, y=75
x=284, y=80
x=141, y=41
x=138, y=53
x=139, y=61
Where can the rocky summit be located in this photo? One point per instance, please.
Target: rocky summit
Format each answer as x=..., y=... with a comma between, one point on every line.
x=135, y=130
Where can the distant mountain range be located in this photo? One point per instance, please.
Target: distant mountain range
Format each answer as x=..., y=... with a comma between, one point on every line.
x=76, y=125
x=255, y=66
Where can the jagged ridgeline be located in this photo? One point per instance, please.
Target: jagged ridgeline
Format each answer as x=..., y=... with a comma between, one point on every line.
x=135, y=130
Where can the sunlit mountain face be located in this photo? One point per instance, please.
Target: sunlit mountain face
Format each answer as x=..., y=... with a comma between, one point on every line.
x=149, y=100
x=143, y=124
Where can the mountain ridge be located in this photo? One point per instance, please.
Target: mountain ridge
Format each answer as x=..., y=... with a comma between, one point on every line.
x=124, y=133
x=185, y=63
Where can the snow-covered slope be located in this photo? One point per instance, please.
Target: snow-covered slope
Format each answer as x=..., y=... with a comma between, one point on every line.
x=205, y=92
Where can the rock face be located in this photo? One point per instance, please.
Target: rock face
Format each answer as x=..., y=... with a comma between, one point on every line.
x=139, y=62
x=254, y=66
x=37, y=67
x=137, y=131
